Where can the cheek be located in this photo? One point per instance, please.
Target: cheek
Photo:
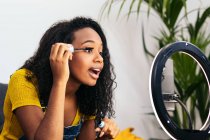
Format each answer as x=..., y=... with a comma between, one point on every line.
x=75, y=67
x=78, y=67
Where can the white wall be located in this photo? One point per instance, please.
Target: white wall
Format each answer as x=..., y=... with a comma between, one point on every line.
x=23, y=22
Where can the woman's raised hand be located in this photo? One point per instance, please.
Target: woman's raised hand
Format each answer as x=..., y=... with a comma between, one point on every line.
x=59, y=58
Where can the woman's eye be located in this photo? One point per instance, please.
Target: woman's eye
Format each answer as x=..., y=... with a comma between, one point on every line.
x=89, y=50
x=101, y=53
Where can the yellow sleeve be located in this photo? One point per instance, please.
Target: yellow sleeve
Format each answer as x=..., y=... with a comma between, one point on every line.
x=21, y=91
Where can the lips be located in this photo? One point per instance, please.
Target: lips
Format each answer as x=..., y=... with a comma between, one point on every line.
x=94, y=72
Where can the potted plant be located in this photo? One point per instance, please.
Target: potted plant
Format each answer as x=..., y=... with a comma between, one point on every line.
x=190, y=83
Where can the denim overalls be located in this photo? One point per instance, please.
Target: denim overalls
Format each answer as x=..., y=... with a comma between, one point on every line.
x=71, y=132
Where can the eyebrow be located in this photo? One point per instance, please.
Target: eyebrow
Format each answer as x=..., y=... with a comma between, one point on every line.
x=89, y=41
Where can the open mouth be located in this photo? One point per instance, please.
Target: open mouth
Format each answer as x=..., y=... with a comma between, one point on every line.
x=94, y=73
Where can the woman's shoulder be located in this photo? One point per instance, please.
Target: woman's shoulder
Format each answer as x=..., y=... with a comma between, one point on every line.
x=22, y=72
x=23, y=75
x=21, y=90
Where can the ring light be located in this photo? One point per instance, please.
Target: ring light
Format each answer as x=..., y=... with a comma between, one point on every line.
x=156, y=95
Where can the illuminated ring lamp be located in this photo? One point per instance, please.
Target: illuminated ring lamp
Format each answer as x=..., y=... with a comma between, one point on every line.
x=156, y=96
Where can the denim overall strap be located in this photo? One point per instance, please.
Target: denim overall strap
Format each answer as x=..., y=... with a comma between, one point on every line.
x=71, y=132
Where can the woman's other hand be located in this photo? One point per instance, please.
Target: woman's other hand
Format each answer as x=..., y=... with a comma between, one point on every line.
x=110, y=129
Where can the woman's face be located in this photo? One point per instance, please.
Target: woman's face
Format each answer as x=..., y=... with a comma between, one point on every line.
x=86, y=65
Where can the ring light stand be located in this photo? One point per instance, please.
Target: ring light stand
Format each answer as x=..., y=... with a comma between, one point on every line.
x=156, y=95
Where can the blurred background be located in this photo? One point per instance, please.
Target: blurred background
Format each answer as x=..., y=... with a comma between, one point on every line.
x=23, y=22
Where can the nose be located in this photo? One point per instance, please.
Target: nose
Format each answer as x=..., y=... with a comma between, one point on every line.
x=98, y=58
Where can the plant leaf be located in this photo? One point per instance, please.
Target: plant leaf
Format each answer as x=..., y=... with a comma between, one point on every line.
x=138, y=8
x=130, y=9
x=121, y=6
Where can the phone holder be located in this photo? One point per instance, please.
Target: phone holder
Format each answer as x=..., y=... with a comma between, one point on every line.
x=156, y=96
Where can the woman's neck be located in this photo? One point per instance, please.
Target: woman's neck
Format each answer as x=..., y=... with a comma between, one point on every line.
x=71, y=88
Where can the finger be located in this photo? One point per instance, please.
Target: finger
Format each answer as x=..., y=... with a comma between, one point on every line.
x=67, y=56
x=101, y=134
x=105, y=128
x=116, y=132
x=60, y=53
x=112, y=129
x=70, y=56
x=54, y=50
x=98, y=129
x=70, y=49
x=62, y=49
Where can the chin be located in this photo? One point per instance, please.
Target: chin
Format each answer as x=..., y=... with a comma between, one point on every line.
x=91, y=83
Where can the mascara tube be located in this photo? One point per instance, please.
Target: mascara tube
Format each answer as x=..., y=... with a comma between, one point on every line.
x=71, y=48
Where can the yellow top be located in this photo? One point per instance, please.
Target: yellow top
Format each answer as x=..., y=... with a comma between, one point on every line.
x=21, y=92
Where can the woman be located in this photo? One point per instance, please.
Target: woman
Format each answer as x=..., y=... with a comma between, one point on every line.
x=73, y=88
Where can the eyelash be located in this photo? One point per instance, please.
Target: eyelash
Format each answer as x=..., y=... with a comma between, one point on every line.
x=90, y=50
x=101, y=53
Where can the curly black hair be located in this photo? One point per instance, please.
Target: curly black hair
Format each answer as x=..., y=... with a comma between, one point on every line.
x=95, y=100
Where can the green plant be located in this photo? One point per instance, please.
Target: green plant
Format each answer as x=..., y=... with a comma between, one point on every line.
x=189, y=80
